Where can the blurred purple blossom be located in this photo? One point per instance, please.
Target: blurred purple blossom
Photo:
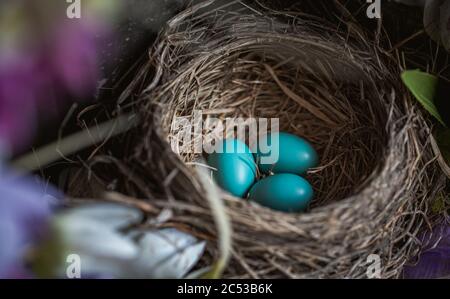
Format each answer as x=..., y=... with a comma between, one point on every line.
x=69, y=58
x=39, y=78
x=17, y=106
x=25, y=206
x=434, y=260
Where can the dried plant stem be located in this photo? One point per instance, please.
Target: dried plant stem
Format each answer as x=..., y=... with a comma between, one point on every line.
x=75, y=143
x=222, y=221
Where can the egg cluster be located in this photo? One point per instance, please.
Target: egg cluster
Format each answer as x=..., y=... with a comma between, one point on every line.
x=282, y=187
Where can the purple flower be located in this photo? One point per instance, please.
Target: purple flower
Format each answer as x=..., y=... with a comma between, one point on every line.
x=38, y=78
x=17, y=103
x=25, y=206
x=69, y=59
x=434, y=260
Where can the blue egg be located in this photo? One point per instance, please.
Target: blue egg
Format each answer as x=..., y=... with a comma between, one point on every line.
x=295, y=154
x=283, y=192
x=236, y=168
x=234, y=146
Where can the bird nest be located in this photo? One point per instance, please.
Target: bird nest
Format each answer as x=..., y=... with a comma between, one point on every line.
x=331, y=85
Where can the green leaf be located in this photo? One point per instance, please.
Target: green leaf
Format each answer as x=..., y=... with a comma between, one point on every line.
x=424, y=87
x=443, y=140
x=436, y=17
x=432, y=19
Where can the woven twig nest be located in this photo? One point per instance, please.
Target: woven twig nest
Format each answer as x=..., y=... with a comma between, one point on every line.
x=330, y=85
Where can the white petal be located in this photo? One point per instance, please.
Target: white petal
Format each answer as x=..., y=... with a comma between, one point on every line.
x=167, y=253
x=91, y=237
x=113, y=215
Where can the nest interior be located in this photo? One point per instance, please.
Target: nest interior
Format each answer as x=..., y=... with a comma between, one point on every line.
x=331, y=85
x=254, y=79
